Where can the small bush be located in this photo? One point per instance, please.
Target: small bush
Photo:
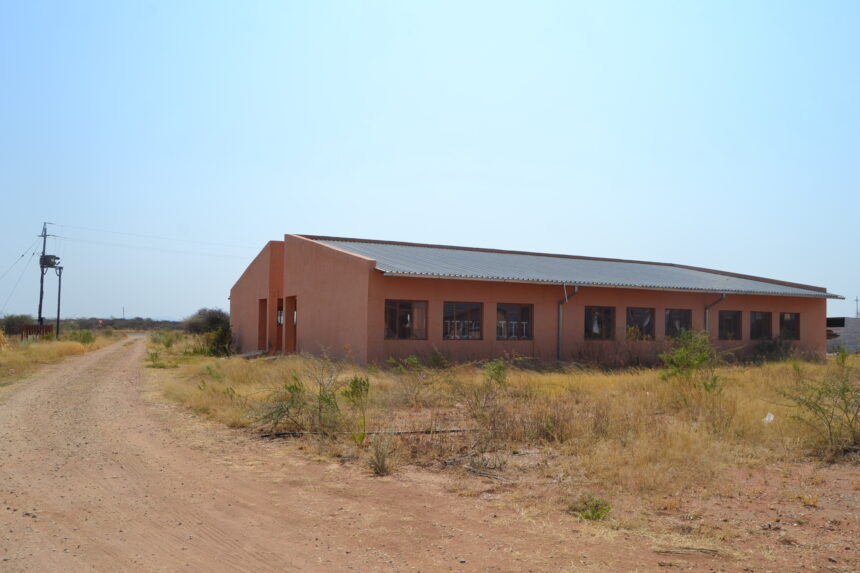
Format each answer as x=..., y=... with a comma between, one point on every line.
x=381, y=462
x=496, y=372
x=590, y=507
x=415, y=379
x=219, y=342
x=82, y=336
x=692, y=361
x=830, y=404
x=166, y=338
x=357, y=395
x=774, y=350
x=308, y=402
x=285, y=406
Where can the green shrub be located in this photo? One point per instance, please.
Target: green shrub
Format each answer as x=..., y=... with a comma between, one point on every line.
x=219, y=342
x=830, y=404
x=496, y=372
x=590, y=507
x=165, y=337
x=357, y=393
x=285, y=406
x=692, y=361
x=82, y=336
x=307, y=403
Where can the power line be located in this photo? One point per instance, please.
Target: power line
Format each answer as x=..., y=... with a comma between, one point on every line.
x=18, y=260
x=157, y=249
x=173, y=239
x=26, y=266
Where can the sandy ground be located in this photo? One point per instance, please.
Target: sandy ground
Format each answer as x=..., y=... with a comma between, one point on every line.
x=99, y=475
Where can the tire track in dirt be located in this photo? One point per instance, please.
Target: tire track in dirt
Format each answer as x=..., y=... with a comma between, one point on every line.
x=95, y=476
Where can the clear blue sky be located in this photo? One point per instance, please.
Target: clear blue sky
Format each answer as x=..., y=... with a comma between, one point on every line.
x=717, y=134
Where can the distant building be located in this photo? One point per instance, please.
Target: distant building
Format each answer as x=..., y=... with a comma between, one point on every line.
x=368, y=301
x=843, y=333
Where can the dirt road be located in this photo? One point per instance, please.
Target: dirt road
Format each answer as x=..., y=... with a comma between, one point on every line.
x=96, y=475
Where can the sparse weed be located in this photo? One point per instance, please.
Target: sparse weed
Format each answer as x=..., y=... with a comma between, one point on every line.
x=356, y=393
x=381, y=462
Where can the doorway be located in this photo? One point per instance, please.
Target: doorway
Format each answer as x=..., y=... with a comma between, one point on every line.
x=290, y=322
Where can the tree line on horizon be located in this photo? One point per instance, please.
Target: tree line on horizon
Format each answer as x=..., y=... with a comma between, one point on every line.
x=204, y=320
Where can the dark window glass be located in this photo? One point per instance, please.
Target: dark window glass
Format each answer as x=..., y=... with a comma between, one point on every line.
x=789, y=325
x=513, y=321
x=599, y=322
x=640, y=323
x=730, y=325
x=678, y=320
x=760, y=326
x=406, y=319
x=462, y=321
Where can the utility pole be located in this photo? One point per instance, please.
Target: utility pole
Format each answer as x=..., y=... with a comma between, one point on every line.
x=45, y=262
x=59, y=271
x=44, y=236
x=857, y=304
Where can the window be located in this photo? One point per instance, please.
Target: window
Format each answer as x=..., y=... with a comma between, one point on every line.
x=462, y=320
x=789, y=325
x=599, y=322
x=730, y=325
x=513, y=321
x=678, y=320
x=640, y=323
x=406, y=319
x=761, y=326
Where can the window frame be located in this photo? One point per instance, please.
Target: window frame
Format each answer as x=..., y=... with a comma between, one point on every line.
x=782, y=326
x=603, y=310
x=688, y=312
x=768, y=335
x=398, y=311
x=519, y=306
x=738, y=329
x=642, y=335
x=480, y=311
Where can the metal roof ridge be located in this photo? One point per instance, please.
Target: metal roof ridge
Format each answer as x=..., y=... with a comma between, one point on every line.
x=575, y=257
x=593, y=284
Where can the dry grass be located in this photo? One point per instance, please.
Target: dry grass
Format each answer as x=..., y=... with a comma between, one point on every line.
x=18, y=358
x=608, y=432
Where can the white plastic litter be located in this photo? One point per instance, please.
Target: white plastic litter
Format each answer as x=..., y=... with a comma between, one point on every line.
x=769, y=418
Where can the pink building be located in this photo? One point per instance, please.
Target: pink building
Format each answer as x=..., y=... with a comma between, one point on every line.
x=368, y=301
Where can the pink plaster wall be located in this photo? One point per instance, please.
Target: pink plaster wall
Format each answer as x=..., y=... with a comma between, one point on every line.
x=330, y=287
x=545, y=299
x=261, y=280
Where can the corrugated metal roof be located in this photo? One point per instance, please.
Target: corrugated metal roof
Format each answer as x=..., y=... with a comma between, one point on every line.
x=434, y=261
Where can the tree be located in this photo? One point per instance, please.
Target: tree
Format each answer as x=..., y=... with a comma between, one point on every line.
x=207, y=320
x=12, y=323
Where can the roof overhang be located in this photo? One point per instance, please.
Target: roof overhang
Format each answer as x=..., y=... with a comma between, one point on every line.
x=825, y=295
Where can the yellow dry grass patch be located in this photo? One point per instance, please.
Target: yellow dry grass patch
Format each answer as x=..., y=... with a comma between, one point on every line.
x=607, y=431
x=19, y=358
